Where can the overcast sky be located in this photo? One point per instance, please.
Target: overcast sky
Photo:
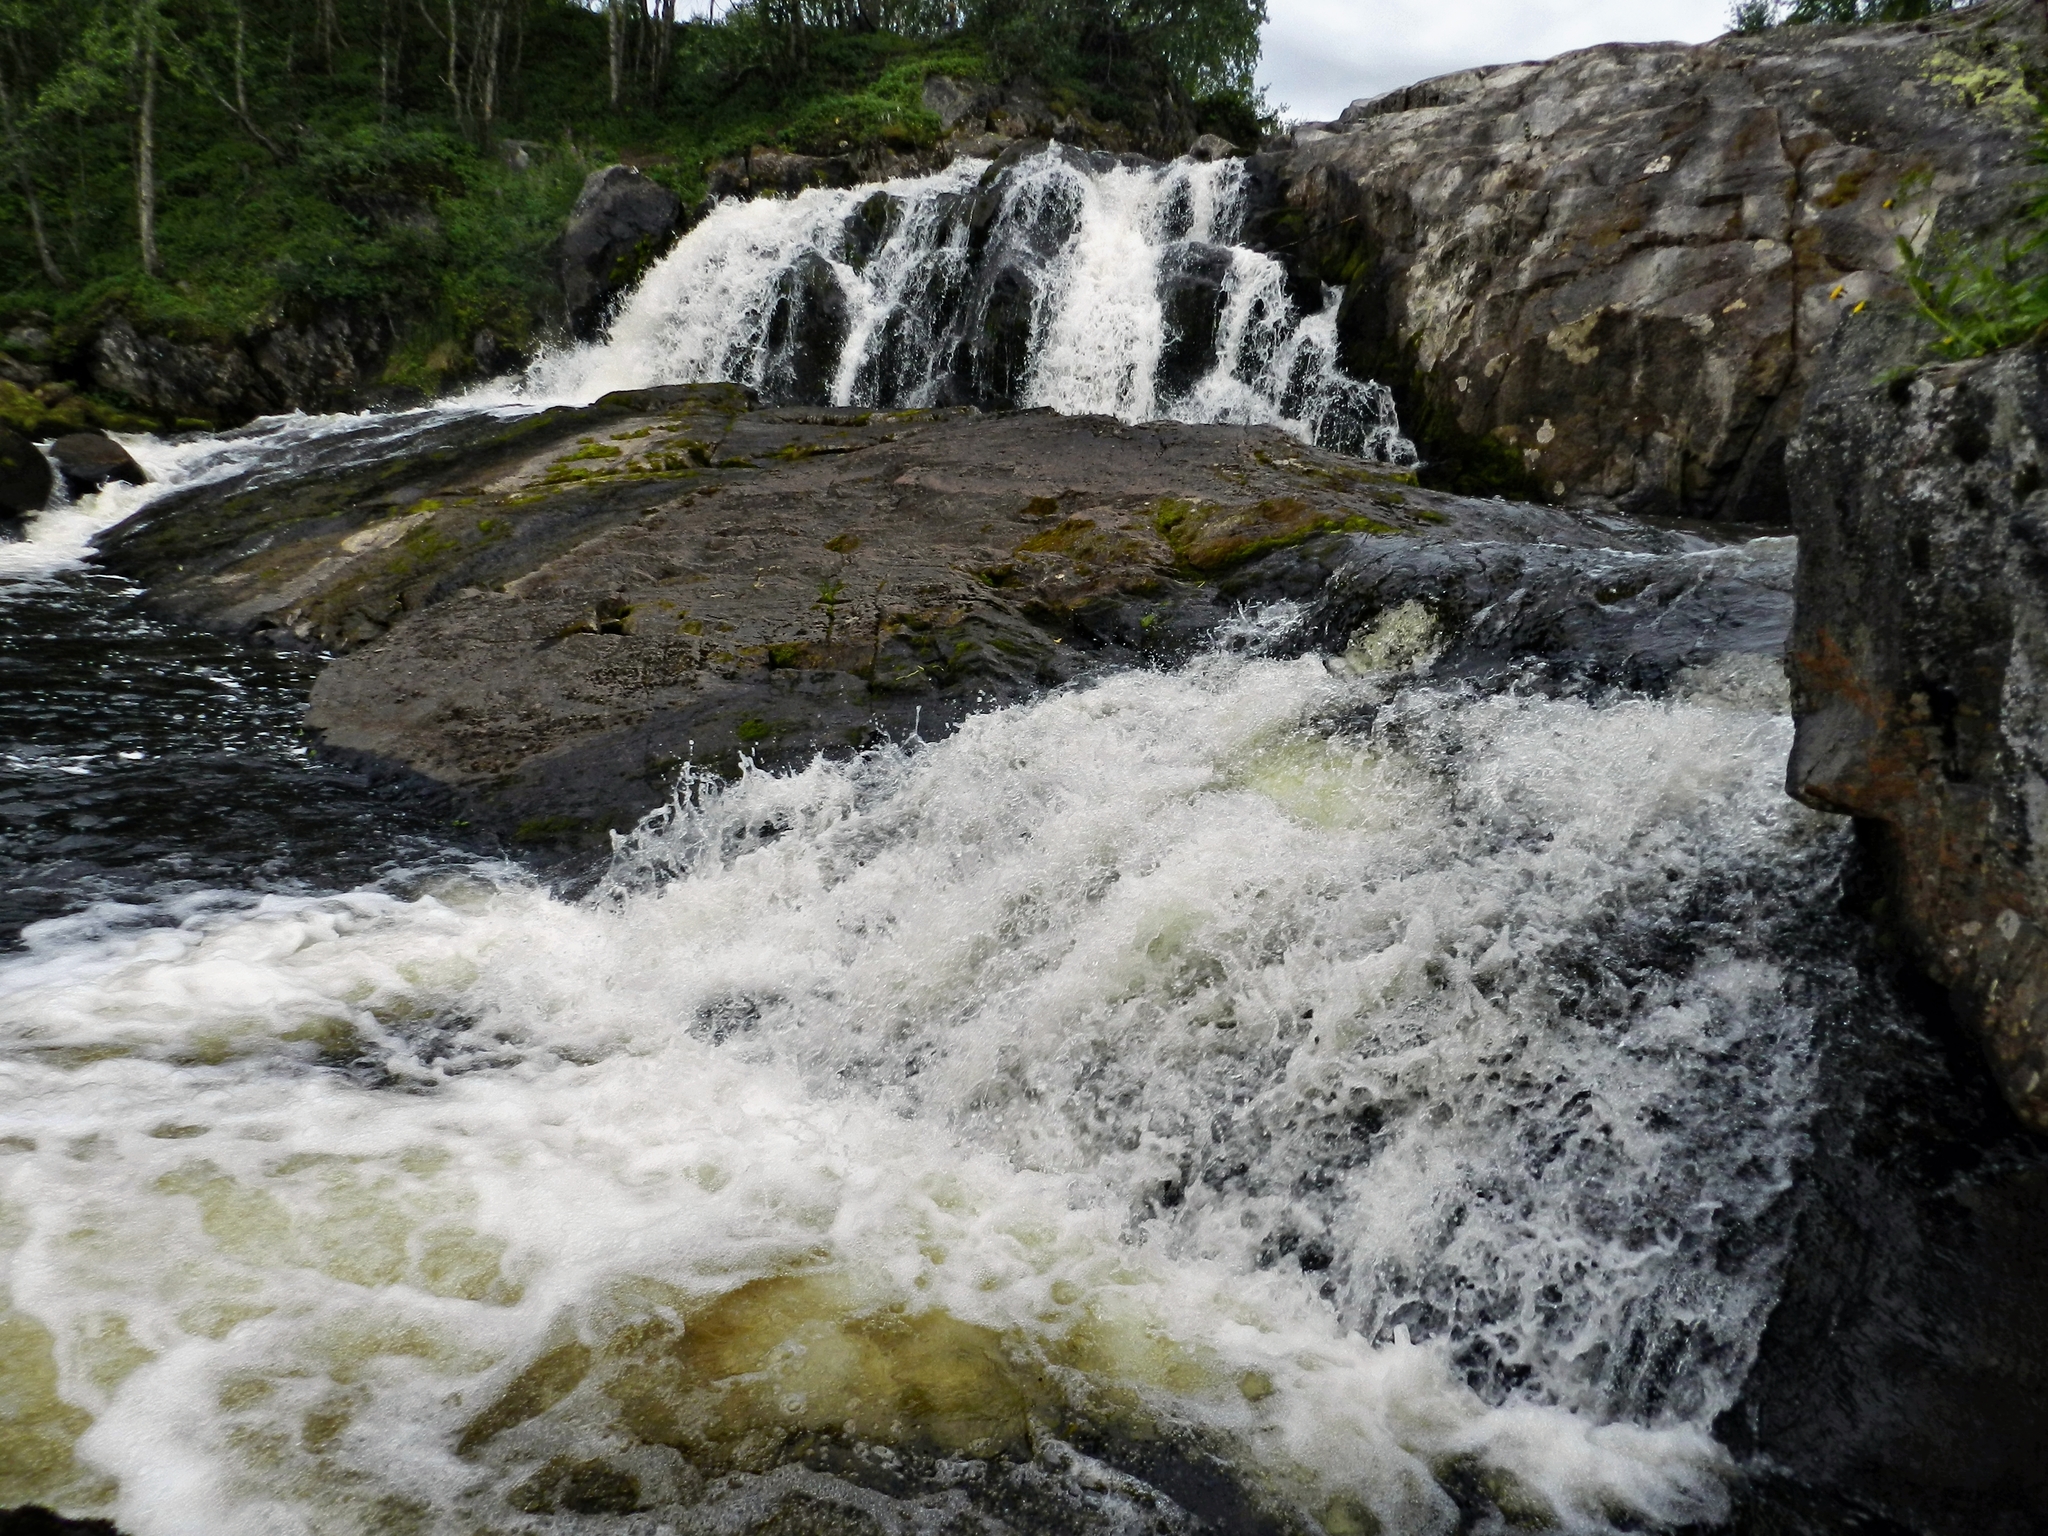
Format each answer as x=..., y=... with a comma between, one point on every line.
x=1321, y=55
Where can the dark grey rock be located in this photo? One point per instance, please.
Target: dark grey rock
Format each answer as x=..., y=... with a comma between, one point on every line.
x=175, y=380
x=26, y=374
x=807, y=325
x=621, y=223
x=1191, y=301
x=25, y=475
x=954, y=102
x=548, y=617
x=1639, y=618
x=89, y=461
x=1919, y=667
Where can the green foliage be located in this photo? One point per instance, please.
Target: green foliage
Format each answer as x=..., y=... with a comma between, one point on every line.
x=1984, y=296
x=1982, y=299
x=1759, y=15
x=314, y=155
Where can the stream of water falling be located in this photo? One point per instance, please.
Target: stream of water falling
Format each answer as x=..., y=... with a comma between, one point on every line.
x=1262, y=1095
x=1065, y=280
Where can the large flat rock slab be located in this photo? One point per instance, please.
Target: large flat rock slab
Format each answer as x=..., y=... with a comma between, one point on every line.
x=551, y=615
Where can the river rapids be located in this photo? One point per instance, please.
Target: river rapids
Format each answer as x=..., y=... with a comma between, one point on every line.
x=1271, y=1093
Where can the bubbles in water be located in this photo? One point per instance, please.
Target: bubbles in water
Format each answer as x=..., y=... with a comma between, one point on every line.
x=1388, y=1091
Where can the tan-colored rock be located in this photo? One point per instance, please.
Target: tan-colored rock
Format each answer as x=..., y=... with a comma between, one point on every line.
x=1606, y=278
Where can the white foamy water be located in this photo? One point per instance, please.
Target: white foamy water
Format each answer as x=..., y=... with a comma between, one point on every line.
x=59, y=538
x=1313, y=1073
x=1082, y=258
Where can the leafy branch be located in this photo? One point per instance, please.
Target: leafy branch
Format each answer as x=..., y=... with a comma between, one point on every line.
x=1985, y=297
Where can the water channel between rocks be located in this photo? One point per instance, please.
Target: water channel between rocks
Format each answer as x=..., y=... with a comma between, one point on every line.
x=1270, y=1093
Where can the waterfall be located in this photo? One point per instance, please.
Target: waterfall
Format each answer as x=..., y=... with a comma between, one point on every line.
x=1084, y=283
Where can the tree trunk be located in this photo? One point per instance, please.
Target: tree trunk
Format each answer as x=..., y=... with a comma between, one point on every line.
x=454, y=74
x=28, y=190
x=145, y=136
x=241, y=63
x=490, y=31
x=615, y=22
x=384, y=61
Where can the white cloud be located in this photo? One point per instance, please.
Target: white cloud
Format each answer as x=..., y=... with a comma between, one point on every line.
x=1321, y=55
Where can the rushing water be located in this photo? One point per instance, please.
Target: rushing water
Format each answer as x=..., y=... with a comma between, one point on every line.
x=1275, y=1093
x=1066, y=280
x=1370, y=1084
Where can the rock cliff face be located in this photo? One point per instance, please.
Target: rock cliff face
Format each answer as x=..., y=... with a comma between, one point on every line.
x=1607, y=278
x=328, y=364
x=1919, y=666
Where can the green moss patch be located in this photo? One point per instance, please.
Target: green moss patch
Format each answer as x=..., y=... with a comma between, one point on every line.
x=1209, y=536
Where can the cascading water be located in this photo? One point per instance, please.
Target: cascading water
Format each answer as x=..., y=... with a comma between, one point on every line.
x=1274, y=1094
x=1065, y=280
x=1380, y=1091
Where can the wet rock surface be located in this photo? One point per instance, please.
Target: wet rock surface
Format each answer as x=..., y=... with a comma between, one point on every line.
x=25, y=476
x=1917, y=668
x=552, y=615
x=1608, y=278
x=90, y=461
x=1547, y=616
x=1897, y=1386
x=621, y=222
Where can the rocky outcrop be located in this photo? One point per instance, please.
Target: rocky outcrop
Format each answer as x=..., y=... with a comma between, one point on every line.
x=621, y=222
x=1608, y=278
x=25, y=477
x=90, y=461
x=328, y=364
x=548, y=618
x=1919, y=667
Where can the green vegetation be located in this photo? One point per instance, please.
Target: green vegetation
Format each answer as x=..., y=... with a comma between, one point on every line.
x=213, y=167
x=1760, y=15
x=1984, y=296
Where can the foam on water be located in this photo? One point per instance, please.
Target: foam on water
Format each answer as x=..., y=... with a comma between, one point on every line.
x=1094, y=248
x=59, y=538
x=1369, y=1084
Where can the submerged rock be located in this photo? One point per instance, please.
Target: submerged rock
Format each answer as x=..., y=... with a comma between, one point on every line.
x=89, y=461
x=1607, y=277
x=1918, y=668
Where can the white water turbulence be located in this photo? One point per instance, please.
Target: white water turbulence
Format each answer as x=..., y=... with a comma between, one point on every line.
x=1380, y=1095
x=1079, y=282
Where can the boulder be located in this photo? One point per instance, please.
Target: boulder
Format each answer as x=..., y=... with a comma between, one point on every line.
x=1919, y=669
x=957, y=103
x=547, y=618
x=25, y=476
x=1192, y=295
x=202, y=383
x=1607, y=278
x=621, y=222
x=89, y=461
x=807, y=326
x=1212, y=146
